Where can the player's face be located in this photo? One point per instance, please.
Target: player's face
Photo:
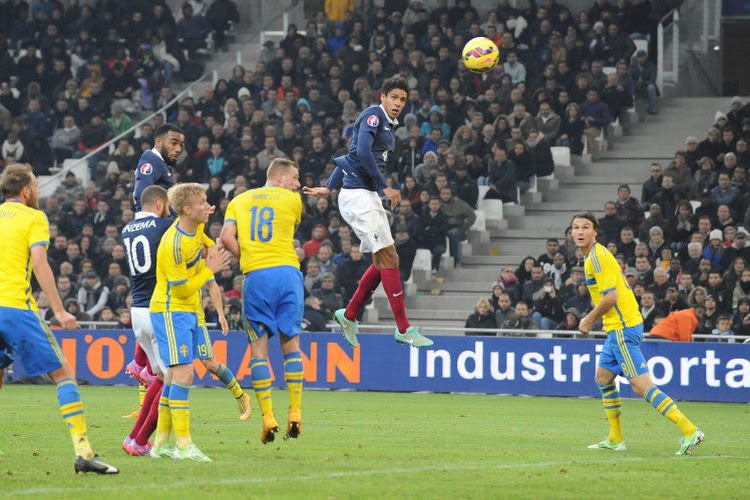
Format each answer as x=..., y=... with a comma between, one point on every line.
x=171, y=147
x=198, y=208
x=584, y=234
x=290, y=180
x=394, y=102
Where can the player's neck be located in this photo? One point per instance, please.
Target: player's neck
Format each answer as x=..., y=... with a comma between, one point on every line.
x=17, y=200
x=187, y=225
x=585, y=250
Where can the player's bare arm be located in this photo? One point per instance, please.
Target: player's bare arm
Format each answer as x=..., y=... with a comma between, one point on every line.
x=316, y=191
x=228, y=238
x=215, y=293
x=607, y=303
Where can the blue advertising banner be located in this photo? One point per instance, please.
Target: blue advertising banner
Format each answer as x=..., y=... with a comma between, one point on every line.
x=492, y=365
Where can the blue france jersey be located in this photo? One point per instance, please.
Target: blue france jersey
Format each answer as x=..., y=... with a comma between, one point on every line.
x=141, y=238
x=372, y=138
x=152, y=169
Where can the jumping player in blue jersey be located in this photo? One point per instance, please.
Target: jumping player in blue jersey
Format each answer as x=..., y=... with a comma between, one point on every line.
x=360, y=176
x=155, y=165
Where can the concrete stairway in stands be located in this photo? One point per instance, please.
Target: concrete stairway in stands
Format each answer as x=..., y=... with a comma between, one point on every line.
x=447, y=299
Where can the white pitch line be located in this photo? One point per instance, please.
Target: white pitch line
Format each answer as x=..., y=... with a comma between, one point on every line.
x=80, y=488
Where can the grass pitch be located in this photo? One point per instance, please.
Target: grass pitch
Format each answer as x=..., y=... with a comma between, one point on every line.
x=380, y=445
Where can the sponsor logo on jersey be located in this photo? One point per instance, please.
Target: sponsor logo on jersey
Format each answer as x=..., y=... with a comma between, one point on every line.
x=147, y=169
x=373, y=121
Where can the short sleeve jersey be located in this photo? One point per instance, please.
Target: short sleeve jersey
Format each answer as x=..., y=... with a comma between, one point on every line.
x=266, y=219
x=603, y=275
x=22, y=228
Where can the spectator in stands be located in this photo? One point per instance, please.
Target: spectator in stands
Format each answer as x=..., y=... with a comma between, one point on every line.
x=92, y=295
x=739, y=249
x=710, y=146
x=460, y=218
x=669, y=196
x=548, y=307
x=571, y=129
x=680, y=172
x=313, y=318
x=571, y=321
x=69, y=190
x=723, y=329
x=522, y=320
x=330, y=299
x=482, y=317
x=502, y=177
x=610, y=225
x=716, y=288
x=192, y=29
x=597, y=117
x=541, y=154
x=530, y=290
x=434, y=232
x=219, y=15
x=741, y=289
x=312, y=275
x=649, y=310
x=652, y=185
x=406, y=248
x=741, y=319
x=65, y=139
x=714, y=250
x=643, y=73
x=546, y=259
x=726, y=194
x=514, y=68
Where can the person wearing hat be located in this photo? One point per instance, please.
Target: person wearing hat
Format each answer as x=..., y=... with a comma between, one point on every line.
x=572, y=318
x=435, y=120
x=643, y=73
x=741, y=318
x=740, y=247
x=713, y=251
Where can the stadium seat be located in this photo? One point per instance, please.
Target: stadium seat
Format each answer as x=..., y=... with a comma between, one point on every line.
x=483, y=191
x=422, y=260
x=533, y=183
x=227, y=188
x=641, y=45
x=481, y=223
x=608, y=70
x=695, y=204
x=493, y=209
x=561, y=156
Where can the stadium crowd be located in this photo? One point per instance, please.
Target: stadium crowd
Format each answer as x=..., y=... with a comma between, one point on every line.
x=74, y=75
x=683, y=245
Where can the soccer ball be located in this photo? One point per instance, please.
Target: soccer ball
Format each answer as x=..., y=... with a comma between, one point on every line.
x=480, y=55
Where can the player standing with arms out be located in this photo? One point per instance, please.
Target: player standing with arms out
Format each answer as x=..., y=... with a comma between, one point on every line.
x=154, y=168
x=181, y=271
x=361, y=173
x=25, y=233
x=264, y=220
x=615, y=303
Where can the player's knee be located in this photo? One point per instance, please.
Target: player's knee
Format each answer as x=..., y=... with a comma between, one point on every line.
x=211, y=364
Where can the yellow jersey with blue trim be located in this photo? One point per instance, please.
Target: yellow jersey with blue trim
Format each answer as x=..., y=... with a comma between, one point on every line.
x=266, y=220
x=22, y=228
x=180, y=270
x=603, y=275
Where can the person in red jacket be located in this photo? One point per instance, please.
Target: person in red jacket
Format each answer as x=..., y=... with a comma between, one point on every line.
x=679, y=325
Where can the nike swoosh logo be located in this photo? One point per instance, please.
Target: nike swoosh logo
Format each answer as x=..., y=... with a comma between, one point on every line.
x=409, y=340
x=386, y=128
x=397, y=294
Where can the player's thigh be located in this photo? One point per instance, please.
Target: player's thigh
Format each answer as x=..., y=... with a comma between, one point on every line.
x=146, y=336
x=627, y=350
x=259, y=298
x=291, y=303
x=174, y=333
x=607, y=358
x=202, y=343
x=31, y=340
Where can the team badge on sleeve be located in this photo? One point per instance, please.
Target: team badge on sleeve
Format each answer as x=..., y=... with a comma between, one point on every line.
x=373, y=121
x=147, y=169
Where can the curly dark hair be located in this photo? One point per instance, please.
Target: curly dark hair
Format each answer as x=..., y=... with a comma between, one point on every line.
x=393, y=83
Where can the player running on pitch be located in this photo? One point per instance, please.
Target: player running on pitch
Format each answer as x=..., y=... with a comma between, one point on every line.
x=25, y=233
x=615, y=303
x=264, y=221
x=361, y=173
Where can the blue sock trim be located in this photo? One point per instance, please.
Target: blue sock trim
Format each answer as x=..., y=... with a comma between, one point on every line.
x=259, y=369
x=293, y=366
x=68, y=393
x=225, y=374
x=179, y=392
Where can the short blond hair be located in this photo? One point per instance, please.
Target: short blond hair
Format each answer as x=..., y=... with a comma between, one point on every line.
x=179, y=195
x=15, y=177
x=278, y=167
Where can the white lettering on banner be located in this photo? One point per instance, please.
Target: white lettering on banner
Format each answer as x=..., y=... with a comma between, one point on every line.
x=557, y=358
x=578, y=361
x=668, y=370
x=510, y=366
x=685, y=365
x=445, y=359
x=534, y=371
x=562, y=367
x=743, y=372
x=711, y=362
x=477, y=357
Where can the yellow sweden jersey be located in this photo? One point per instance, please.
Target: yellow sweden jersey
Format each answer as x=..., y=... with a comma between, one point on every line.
x=603, y=274
x=178, y=259
x=22, y=228
x=266, y=219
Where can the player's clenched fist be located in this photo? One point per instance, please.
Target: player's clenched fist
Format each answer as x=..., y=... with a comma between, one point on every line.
x=217, y=259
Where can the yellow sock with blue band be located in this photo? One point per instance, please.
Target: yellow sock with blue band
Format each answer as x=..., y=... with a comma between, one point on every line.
x=262, y=383
x=667, y=407
x=164, y=422
x=227, y=378
x=294, y=377
x=612, y=407
x=180, y=409
x=72, y=412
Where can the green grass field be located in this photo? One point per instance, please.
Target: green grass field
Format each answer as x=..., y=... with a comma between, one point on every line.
x=381, y=445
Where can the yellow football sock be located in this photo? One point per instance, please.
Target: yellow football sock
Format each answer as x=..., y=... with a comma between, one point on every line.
x=164, y=423
x=141, y=394
x=72, y=412
x=294, y=377
x=227, y=377
x=180, y=409
x=667, y=407
x=687, y=428
x=612, y=408
x=262, y=383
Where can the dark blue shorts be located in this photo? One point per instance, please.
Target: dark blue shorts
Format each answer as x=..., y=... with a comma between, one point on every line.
x=273, y=300
x=622, y=352
x=31, y=340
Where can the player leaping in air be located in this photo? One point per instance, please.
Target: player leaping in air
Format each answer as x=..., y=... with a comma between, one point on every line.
x=615, y=303
x=23, y=246
x=361, y=173
x=264, y=221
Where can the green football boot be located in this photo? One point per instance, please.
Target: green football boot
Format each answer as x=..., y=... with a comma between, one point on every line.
x=163, y=451
x=413, y=337
x=350, y=327
x=608, y=445
x=688, y=444
x=190, y=453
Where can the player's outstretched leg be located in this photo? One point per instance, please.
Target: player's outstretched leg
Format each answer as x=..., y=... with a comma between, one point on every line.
x=149, y=411
x=347, y=318
x=225, y=374
x=162, y=448
x=691, y=435
x=294, y=379
x=262, y=385
x=612, y=407
x=74, y=416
